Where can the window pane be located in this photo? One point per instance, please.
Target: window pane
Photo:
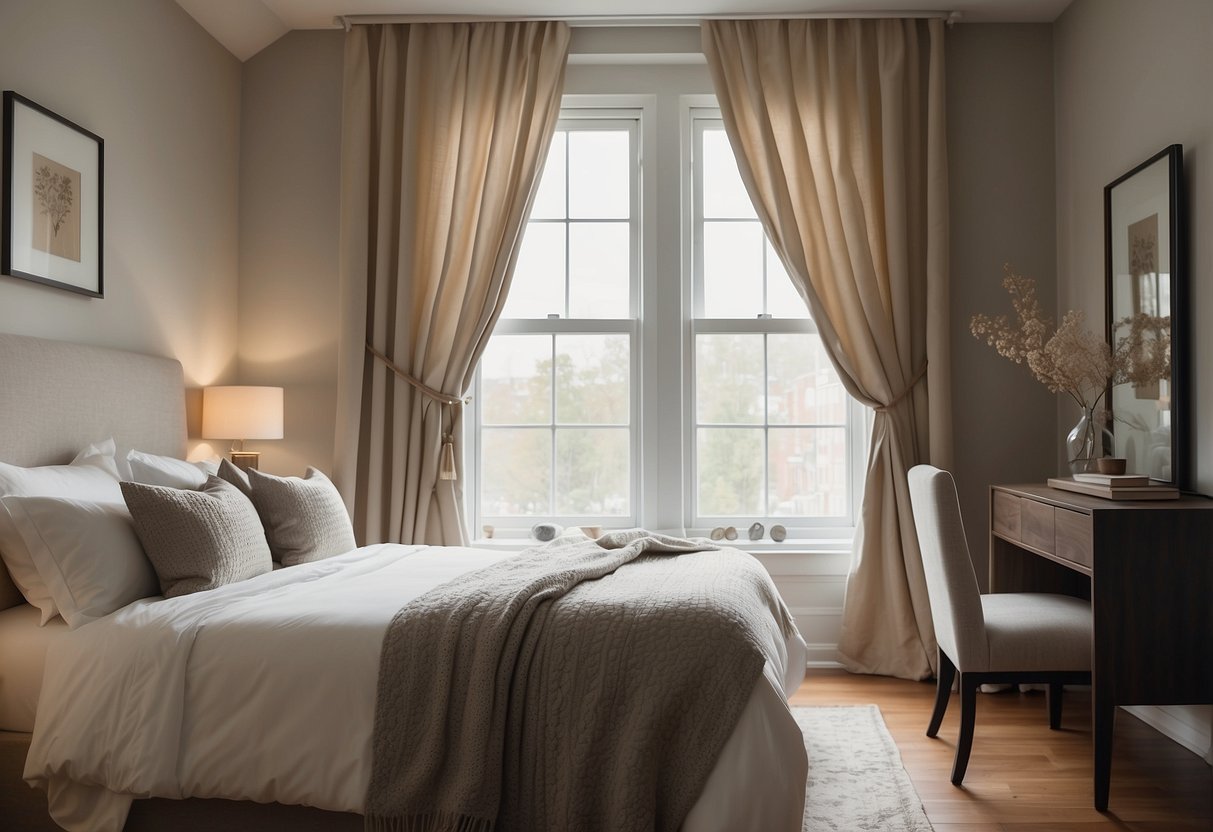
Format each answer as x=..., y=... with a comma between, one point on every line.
x=599, y=269
x=516, y=471
x=538, y=285
x=783, y=301
x=728, y=379
x=802, y=384
x=549, y=199
x=807, y=472
x=732, y=269
x=592, y=470
x=592, y=379
x=600, y=181
x=724, y=194
x=516, y=380
x=729, y=463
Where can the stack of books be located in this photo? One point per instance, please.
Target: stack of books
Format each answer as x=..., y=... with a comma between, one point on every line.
x=1116, y=487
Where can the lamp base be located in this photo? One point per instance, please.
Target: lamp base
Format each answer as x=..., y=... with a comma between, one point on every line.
x=245, y=460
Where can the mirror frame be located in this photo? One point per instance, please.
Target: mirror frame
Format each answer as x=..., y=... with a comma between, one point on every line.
x=1177, y=237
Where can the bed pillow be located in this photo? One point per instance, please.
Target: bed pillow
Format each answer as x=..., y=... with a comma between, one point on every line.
x=107, y=448
x=153, y=469
x=198, y=540
x=86, y=553
x=236, y=476
x=94, y=479
x=304, y=518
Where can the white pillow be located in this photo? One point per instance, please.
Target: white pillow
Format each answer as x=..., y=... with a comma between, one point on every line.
x=86, y=552
x=107, y=448
x=153, y=469
x=94, y=478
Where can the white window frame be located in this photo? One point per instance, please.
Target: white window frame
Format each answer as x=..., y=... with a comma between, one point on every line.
x=581, y=113
x=700, y=113
x=662, y=330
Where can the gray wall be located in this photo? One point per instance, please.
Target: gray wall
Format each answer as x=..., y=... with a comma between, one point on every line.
x=1132, y=78
x=289, y=215
x=165, y=97
x=1000, y=170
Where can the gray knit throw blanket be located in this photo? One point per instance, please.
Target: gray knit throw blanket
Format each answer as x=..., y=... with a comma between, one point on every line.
x=583, y=685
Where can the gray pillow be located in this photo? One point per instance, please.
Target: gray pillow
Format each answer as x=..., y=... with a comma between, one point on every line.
x=198, y=540
x=304, y=518
x=236, y=476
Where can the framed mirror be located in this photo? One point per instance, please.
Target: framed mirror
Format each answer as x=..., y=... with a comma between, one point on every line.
x=1146, y=307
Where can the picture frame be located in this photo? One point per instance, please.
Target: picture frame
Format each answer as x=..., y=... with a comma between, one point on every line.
x=54, y=197
x=1146, y=285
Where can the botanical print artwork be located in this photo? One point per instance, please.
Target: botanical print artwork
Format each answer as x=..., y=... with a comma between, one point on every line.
x=55, y=208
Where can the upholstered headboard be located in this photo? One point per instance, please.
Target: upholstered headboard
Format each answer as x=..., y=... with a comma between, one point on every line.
x=57, y=397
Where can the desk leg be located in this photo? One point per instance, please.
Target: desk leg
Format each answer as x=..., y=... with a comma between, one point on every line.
x=1104, y=719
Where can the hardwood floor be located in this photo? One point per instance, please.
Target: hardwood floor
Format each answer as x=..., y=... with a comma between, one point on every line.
x=1023, y=777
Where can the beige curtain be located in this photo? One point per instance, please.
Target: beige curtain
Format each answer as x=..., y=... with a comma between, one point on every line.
x=445, y=130
x=838, y=127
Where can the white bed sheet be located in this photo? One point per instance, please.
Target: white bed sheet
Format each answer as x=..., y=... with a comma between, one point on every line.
x=265, y=690
x=23, y=648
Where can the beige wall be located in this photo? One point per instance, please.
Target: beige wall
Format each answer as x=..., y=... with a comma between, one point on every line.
x=289, y=200
x=165, y=97
x=1132, y=78
x=1000, y=169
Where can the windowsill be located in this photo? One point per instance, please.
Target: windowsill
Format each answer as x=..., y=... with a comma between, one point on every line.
x=791, y=546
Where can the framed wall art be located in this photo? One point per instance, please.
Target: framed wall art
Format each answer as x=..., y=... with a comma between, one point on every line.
x=1146, y=306
x=53, y=199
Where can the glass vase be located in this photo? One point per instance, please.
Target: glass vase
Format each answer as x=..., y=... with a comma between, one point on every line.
x=1088, y=441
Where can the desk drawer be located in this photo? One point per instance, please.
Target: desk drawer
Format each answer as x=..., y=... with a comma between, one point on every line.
x=1006, y=515
x=1036, y=525
x=1073, y=531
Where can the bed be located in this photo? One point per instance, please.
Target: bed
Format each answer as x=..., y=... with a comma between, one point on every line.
x=304, y=771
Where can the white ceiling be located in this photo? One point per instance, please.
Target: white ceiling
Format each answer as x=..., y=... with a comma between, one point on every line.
x=246, y=27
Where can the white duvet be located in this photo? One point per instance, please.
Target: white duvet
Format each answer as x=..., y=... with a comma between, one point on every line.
x=265, y=690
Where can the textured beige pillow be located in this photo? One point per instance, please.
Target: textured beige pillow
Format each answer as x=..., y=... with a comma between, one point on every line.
x=304, y=518
x=237, y=477
x=198, y=540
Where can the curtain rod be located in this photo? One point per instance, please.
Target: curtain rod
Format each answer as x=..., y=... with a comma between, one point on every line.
x=634, y=20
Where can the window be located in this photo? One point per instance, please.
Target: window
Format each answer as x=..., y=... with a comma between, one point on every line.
x=771, y=435
x=556, y=408
x=743, y=417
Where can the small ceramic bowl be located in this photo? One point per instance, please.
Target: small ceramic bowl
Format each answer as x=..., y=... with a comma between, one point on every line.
x=1111, y=465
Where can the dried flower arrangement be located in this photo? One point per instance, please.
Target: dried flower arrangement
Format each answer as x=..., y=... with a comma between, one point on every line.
x=1072, y=359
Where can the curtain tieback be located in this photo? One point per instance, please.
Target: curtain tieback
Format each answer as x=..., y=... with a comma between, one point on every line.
x=884, y=408
x=446, y=459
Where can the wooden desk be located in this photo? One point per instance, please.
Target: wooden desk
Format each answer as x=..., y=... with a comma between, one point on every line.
x=1147, y=568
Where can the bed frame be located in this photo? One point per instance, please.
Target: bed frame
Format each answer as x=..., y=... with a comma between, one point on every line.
x=55, y=398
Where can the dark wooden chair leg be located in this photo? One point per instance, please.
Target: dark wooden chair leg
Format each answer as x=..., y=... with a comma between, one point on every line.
x=968, y=713
x=1054, y=699
x=943, y=692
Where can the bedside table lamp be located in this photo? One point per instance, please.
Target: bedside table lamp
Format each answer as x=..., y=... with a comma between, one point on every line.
x=240, y=413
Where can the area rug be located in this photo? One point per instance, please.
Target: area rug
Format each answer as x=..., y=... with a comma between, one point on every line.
x=856, y=780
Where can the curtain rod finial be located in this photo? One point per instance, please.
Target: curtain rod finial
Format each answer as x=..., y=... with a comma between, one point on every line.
x=344, y=22
x=952, y=19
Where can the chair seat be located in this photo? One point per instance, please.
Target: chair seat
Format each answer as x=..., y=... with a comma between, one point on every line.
x=1030, y=631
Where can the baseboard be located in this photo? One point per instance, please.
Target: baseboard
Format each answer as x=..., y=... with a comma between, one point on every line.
x=822, y=656
x=1196, y=738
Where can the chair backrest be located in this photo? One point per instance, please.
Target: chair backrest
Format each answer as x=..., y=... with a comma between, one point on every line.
x=960, y=627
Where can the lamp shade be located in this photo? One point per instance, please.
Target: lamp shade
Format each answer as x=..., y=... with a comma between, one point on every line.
x=242, y=413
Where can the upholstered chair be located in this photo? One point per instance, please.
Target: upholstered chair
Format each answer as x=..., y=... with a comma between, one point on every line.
x=1014, y=638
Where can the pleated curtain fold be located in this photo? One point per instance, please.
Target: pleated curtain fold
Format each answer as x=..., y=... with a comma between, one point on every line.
x=446, y=127
x=839, y=132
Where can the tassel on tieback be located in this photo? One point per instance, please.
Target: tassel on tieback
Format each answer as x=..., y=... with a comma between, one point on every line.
x=446, y=460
